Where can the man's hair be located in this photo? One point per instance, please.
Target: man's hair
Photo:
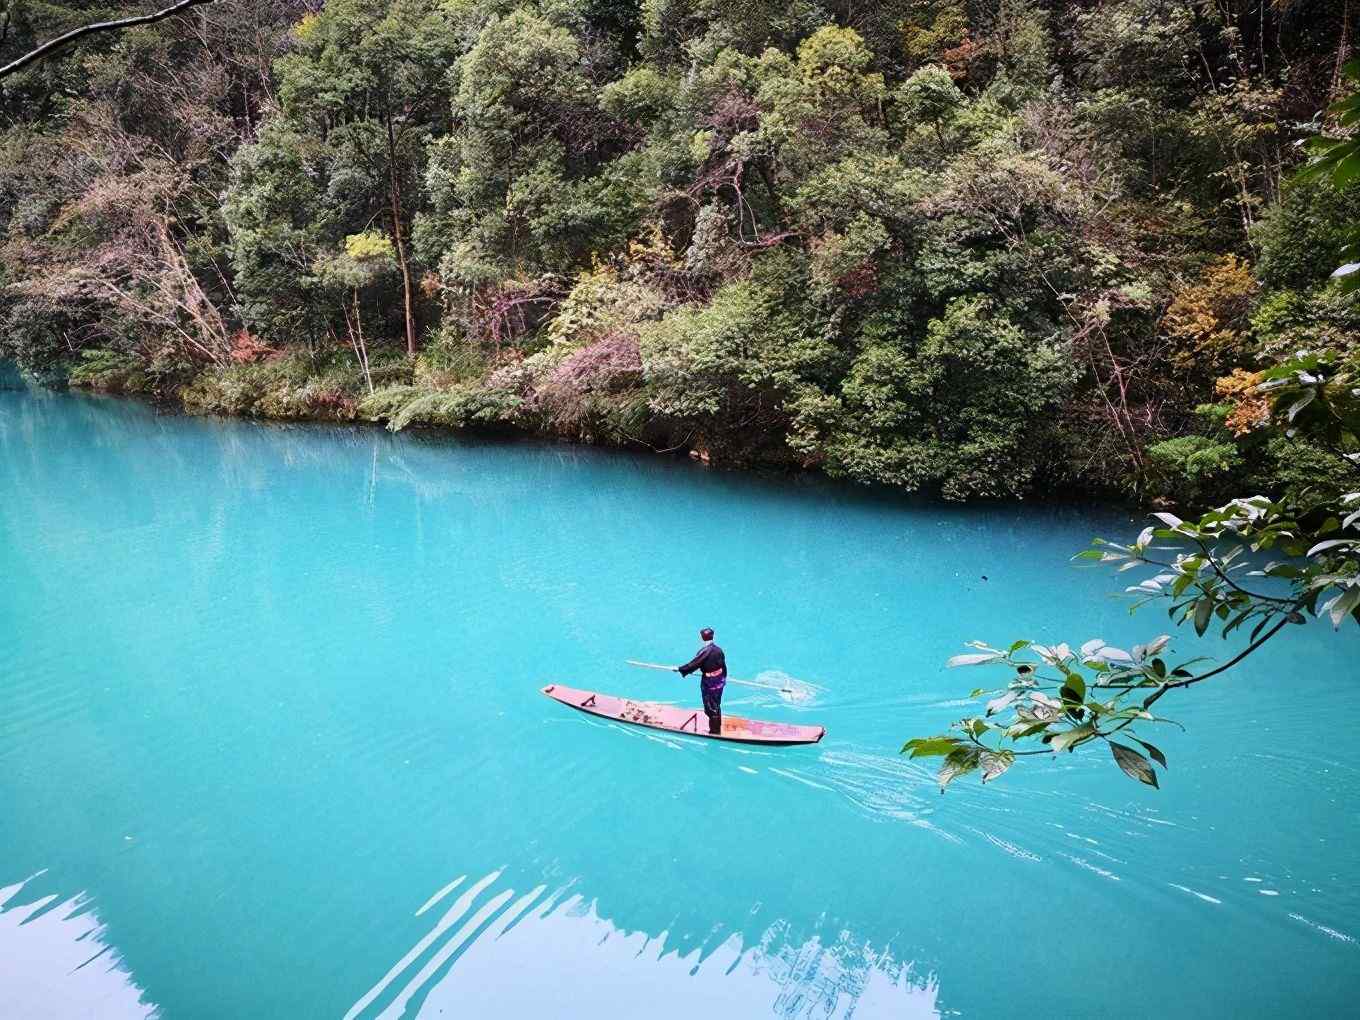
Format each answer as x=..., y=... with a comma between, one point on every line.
x=706, y=633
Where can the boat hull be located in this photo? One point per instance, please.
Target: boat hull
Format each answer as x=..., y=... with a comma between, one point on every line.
x=688, y=721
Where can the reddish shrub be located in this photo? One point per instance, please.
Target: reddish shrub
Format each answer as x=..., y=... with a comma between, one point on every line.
x=607, y=365
x=246, y=347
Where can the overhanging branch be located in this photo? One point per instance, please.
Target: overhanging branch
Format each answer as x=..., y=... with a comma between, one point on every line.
x=100, y=26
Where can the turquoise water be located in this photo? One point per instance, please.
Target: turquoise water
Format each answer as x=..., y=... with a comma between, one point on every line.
x=271, y=745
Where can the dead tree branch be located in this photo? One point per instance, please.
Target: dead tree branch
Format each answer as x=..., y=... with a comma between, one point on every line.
x=99, y=26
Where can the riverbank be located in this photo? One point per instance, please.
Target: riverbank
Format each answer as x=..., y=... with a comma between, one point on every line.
x=511, y=394
x=465, y=392
x=433, y=391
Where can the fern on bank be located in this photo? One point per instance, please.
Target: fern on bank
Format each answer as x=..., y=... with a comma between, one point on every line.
x=111, y=372
x=459, y=407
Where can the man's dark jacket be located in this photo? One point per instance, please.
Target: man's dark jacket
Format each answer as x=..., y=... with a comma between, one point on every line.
x=710, y=659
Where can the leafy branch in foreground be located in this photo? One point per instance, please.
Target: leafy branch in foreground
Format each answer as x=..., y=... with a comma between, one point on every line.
x=1216, y=569
x=1337, y=158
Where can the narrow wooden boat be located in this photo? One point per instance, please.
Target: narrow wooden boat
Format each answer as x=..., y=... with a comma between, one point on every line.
x=689, y=721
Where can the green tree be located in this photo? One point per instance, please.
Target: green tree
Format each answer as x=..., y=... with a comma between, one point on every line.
x=518, y=187
x=362, y=89
x=362, y=263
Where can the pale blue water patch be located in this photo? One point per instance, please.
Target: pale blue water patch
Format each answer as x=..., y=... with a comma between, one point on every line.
x=271, y=744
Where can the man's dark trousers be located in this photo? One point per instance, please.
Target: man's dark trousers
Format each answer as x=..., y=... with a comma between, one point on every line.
x=712, y=691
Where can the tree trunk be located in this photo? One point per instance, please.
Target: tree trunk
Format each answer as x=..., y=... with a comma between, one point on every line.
x=763, y=169
x=355, y=328
x=399, y=241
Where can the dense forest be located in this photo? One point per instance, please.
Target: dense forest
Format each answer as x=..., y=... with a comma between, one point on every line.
x=978, y=248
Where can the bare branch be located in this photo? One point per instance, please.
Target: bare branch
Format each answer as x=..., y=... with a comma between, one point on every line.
x=100, y=26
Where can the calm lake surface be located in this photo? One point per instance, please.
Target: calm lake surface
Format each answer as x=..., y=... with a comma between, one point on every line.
x=272, y=745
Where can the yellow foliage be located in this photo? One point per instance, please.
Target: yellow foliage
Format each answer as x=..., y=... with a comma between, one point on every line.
x=1210, y=315
x=616, y=295
x=833, y=46
x=701, y=145
x=1250, y=409
x=652, y=250
x=369, y=245
x=837, y=62
x=305, y=28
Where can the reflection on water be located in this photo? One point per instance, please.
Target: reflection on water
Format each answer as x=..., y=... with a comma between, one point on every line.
x=568, y=961
x=54, y=962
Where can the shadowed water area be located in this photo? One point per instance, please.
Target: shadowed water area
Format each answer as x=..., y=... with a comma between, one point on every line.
x=272, y=744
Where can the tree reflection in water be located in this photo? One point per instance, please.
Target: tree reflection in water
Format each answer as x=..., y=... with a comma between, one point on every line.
x=55, y=962
x=494, y=952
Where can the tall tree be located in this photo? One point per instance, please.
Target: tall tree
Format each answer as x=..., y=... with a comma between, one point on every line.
x=367, y=80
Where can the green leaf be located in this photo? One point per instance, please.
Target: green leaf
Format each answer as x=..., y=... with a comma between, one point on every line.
x=1001, y=703
x=1341, y=606
x=1332, y=543
x=1309, y=603
x=1073, y=692
x=1319, y=144
x=995, y=762
x=959, y=763
x=1157, y=755
x=1204, y=609
x=930, y=747
x=1238, y=620
x=1135, y=766
x=974, y=659
x=1068, y=739
x=1347, y=170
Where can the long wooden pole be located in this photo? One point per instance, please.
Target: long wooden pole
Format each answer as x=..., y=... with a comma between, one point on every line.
x=744, y=683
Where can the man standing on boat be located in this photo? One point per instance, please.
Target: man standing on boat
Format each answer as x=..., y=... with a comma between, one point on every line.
x=712, y=664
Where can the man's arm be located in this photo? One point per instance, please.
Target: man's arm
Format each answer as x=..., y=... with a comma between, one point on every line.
x=693, y=663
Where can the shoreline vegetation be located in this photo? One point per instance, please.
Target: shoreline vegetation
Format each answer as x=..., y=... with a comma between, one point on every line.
x=976, y=249
x=292, y=389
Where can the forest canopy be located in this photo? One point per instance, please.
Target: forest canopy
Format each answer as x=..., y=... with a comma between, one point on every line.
x=979, y=248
